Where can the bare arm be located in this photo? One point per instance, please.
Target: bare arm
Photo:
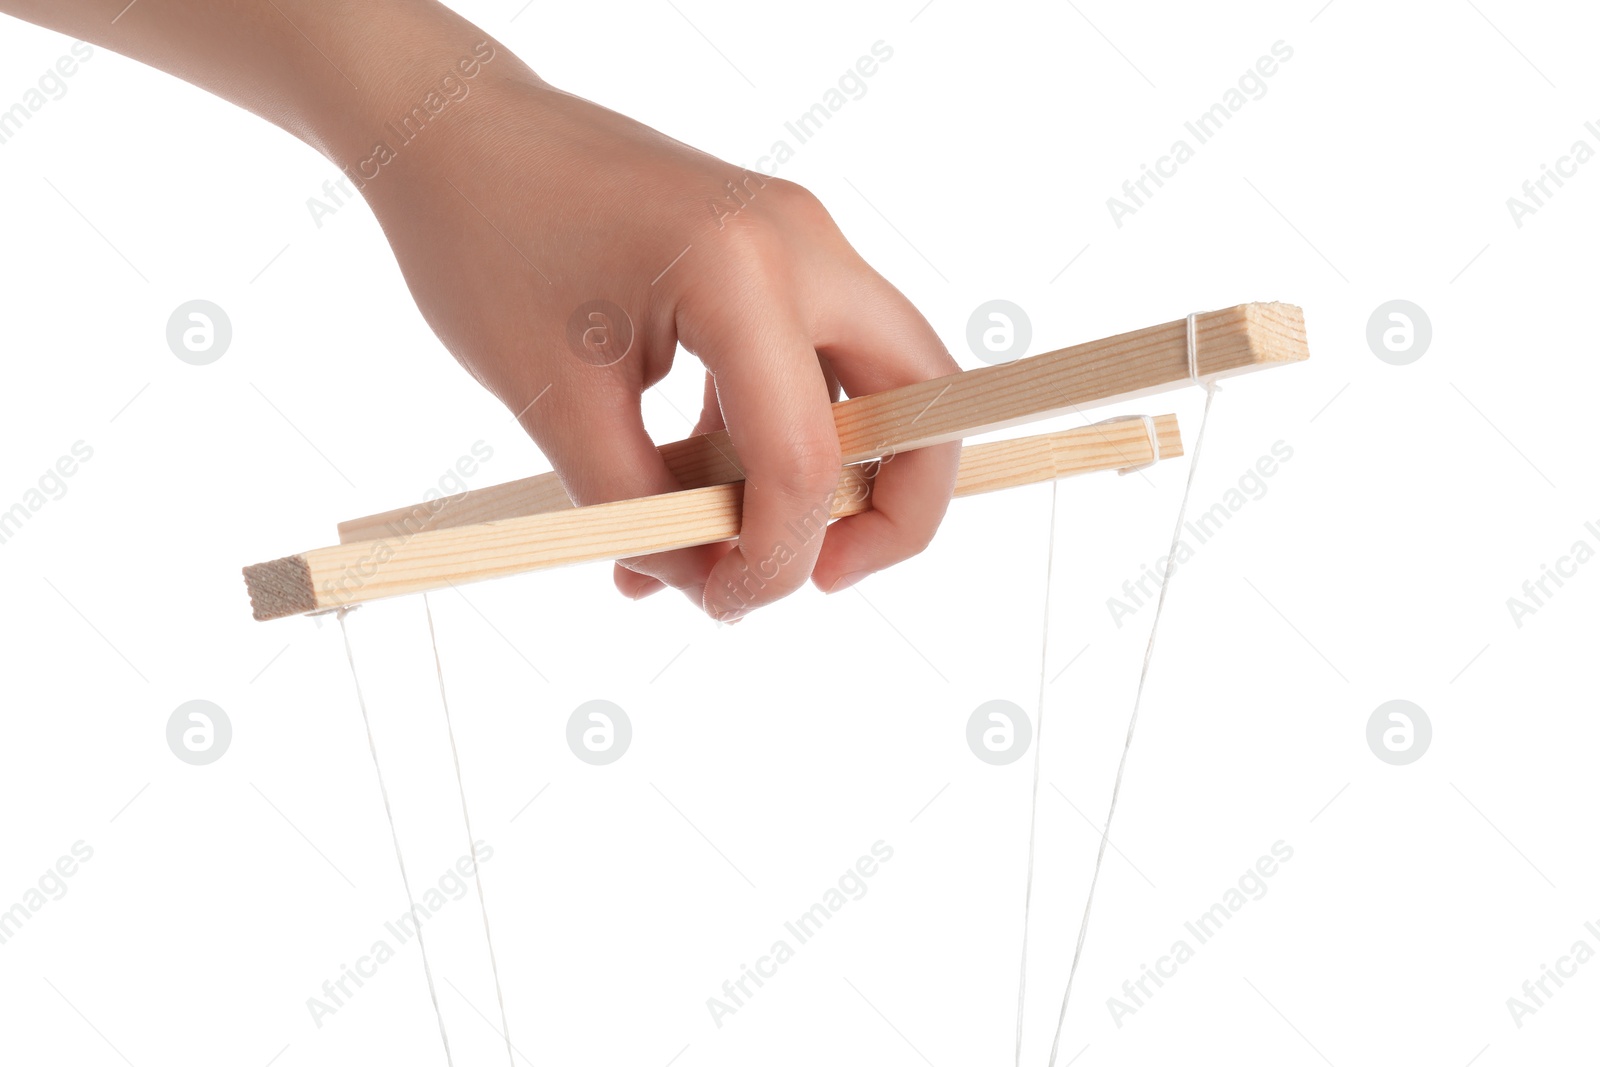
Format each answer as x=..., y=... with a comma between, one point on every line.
x=324, y=70
x=515, y=210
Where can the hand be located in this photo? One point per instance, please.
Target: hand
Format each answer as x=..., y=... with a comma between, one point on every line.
x=511, y=205
x=532, y=203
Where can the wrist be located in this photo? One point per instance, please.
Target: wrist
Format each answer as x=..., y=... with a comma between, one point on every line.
x=417, y=76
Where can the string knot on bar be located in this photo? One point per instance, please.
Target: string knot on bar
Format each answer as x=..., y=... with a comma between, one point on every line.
x=1193, y=346
x=1151, y=432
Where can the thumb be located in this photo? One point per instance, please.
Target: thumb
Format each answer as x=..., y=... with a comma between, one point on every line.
x=635, y=584
x=601, y=452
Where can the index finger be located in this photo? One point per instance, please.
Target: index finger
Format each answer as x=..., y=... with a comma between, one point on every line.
x=775, y=400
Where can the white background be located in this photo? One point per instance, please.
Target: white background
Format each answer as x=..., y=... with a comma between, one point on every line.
x=767, y=758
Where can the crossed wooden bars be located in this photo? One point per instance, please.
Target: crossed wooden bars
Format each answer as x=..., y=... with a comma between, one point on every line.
x=530, y=524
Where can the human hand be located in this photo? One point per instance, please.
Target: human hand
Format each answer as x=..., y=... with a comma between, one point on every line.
x=512, y=207
x=532, y=204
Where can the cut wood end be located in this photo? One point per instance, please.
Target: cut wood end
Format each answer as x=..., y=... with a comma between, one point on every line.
x=1277, y=333
x=280, y=588
x=1248, y=337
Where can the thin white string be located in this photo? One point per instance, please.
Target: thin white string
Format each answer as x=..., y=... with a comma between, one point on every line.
x=383, y=789
x=1133, y=720
x=472, y=848
x=1038, y=734
x=1194, y=351
x=1150, y=432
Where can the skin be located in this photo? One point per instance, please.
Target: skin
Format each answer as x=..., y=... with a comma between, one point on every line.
x=519, y=202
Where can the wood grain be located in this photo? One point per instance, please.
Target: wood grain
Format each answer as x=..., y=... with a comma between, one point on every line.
x=1228, y=342
x=359, y=571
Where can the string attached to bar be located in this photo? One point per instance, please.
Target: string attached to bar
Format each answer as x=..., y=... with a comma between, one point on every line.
x=1138, y=697
x=1038, y=736
x=466, y=819
x=388, y=811
x=1150, y=432
x=1194, y=351
x=1193, y=363
x=472, y=846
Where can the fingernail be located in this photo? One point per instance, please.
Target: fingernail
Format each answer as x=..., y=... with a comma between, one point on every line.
x=649, y=588
x=847, y=581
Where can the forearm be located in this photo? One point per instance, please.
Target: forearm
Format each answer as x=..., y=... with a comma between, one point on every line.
x=330, y=72
x=560, y=248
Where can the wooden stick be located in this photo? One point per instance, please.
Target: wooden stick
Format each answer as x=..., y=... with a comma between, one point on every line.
x=352, y=573
x=1228, y=342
